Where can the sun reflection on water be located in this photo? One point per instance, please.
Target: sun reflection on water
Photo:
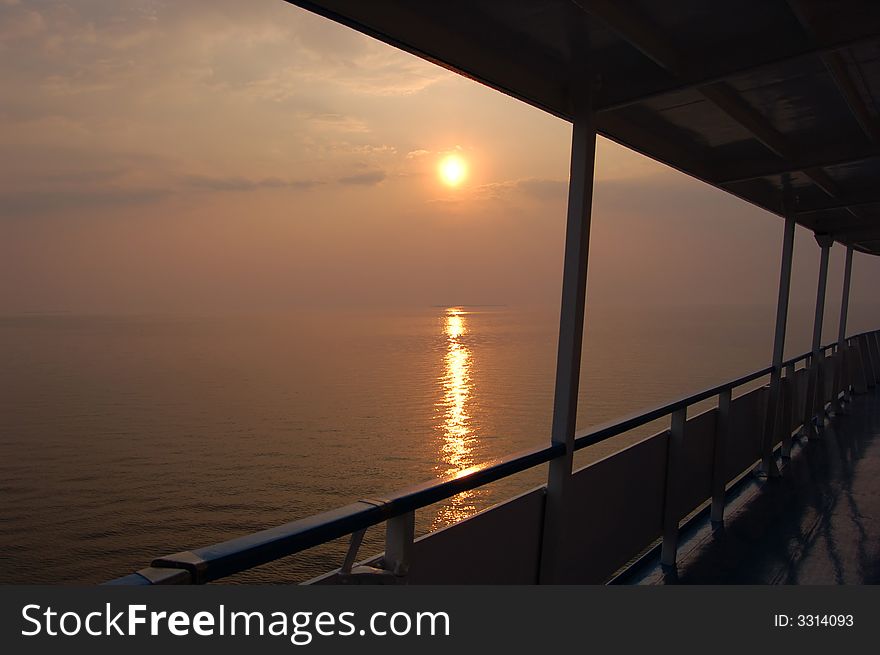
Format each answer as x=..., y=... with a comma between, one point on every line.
x=457, y=437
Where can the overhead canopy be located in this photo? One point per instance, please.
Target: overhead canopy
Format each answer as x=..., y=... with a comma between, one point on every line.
x=774, y=101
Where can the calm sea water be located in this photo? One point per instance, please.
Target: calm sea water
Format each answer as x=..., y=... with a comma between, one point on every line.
x=124, y=438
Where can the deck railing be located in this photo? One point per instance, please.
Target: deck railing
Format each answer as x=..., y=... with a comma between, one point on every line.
x=856, y=368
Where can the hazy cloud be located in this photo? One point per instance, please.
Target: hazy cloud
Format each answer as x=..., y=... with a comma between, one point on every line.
x=328, y=121
x=374, y=150
x=242, y=184
x=538, y=188
x=19, y=204
x=370, y=178
x=543, y=189
x=18, y=24
x=235, y=183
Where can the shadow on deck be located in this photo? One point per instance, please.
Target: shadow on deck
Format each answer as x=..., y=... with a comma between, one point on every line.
x=818, y=524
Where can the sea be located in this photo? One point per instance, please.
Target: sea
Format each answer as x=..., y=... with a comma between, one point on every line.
x=124, y=438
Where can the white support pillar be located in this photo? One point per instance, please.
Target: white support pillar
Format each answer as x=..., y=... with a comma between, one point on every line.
x=814, y=382
x=571, y=330
x=841, y=376
x=768, y=463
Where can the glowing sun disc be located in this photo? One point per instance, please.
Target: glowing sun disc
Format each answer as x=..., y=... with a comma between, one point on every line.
x=452, y=170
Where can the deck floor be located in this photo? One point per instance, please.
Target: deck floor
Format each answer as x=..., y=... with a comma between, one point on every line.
x=818, y=524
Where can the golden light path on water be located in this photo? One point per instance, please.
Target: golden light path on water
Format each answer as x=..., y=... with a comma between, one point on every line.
x=454, y=423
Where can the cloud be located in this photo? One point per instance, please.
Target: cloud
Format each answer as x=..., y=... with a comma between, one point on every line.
x=370, y=178
x=415, y=154
x=245, y=184
x=543, y=188
x=375, y=71
x=20, y=25
x=235, y=183
x=19, y=204
x=89, y=189
x=333, y=122
x=375, y=150
x=533, y=187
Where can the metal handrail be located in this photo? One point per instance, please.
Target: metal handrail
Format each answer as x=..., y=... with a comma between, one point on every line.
x=235, y=555
x=807, y=355
x=226, y=558
x=597, y=434
x=259, y=548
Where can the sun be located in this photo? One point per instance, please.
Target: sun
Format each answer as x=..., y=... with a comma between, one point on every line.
x=452, y=170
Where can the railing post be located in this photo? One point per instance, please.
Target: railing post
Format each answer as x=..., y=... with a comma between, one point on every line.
x=671, y=517
x=872, y=360
x=571, y=330
x=399, y=537
x=856, y=367
x=814, y=380
x=719, y=465
x=859, y=360
x=768, y=464
x=867, y=364
x=874, y=353
x=788, y=391
x=841, y=383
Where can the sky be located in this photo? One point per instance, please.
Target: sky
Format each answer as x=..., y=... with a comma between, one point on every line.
x=221, y=155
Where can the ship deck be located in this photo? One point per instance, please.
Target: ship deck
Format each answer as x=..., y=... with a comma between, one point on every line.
x=817, y=524
x=649, y=503
x=747, y=97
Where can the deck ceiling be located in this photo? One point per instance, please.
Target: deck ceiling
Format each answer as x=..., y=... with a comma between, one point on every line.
x=774, y=101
